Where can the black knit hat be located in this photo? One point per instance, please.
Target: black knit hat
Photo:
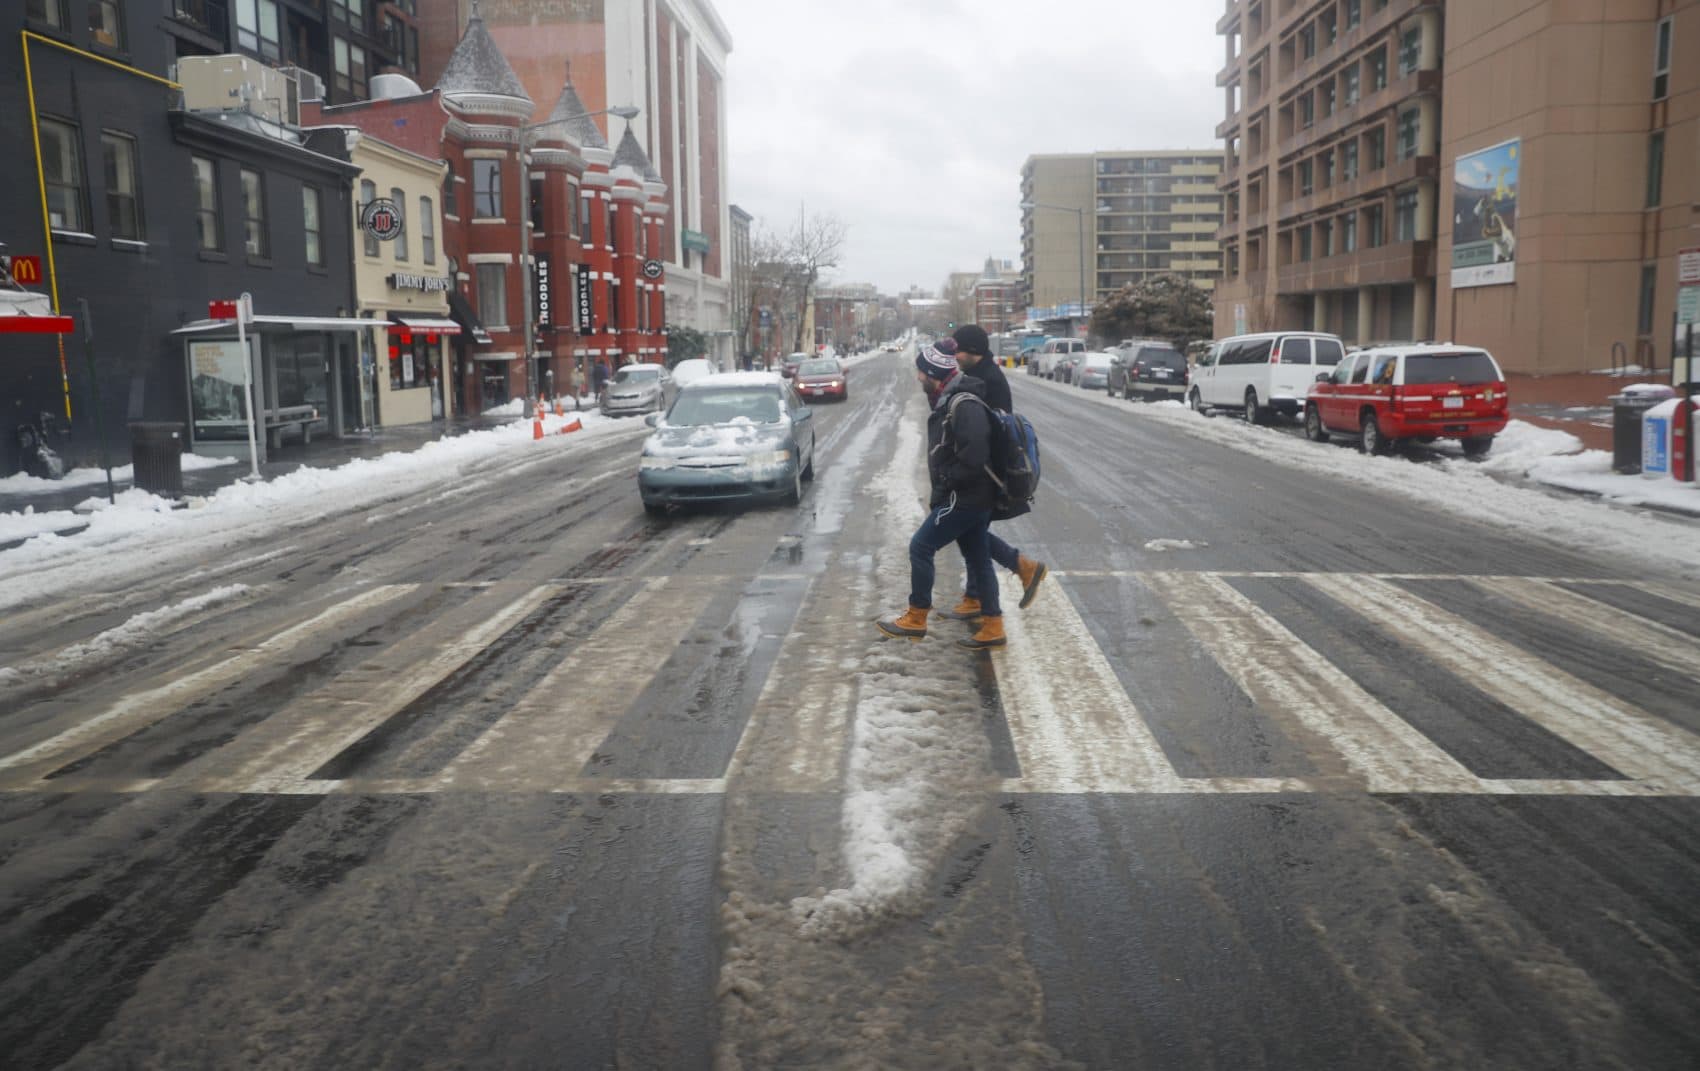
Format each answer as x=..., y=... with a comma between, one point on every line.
x=971, y=338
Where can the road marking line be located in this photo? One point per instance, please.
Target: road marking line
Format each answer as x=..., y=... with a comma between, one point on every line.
x=1676, y=651
x=1069, y=717
x=1284, y=676
x=555, y=728
x=1666, y=591
x=1289, y=574
x=141, y=709
x=281, y=753
x=1627, y=739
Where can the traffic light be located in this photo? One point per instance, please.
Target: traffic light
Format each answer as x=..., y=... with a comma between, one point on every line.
x=951, y=324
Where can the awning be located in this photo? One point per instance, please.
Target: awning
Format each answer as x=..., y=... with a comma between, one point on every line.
x=37, y=325
x=274, y=324
x=461, y=310
x=426, y=324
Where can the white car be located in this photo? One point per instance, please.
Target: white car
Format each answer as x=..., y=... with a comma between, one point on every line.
x=1258, y=375
x=689, y=371
x=1053, y=350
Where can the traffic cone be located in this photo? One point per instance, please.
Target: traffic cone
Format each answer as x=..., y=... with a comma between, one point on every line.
x=537, y=425
x=560, y=410
x=575, y=424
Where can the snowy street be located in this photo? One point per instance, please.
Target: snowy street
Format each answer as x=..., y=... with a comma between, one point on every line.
x=1300, y=759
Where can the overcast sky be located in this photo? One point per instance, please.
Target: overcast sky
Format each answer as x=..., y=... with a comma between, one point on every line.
x=910, y=119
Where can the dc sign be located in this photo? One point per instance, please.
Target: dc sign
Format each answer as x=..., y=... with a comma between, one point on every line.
x=382, y=219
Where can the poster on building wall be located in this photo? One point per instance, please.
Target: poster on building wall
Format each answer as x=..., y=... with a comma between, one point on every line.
x=1484, y=216
x=217, y=396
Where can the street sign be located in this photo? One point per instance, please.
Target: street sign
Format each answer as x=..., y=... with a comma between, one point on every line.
x=1688, y=305
x=221, y=310
x=1688, y=267
x=26, y=271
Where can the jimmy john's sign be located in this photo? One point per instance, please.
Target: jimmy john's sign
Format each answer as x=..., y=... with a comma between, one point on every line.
x=428, y=283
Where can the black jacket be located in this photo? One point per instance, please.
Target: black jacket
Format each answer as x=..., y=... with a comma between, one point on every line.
x=959, y=446
x=997, y=386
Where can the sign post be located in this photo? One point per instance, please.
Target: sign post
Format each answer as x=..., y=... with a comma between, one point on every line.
x=242, y=311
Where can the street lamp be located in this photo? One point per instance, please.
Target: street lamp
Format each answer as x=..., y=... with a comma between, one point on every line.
x=527, y=275
x=1080, y=221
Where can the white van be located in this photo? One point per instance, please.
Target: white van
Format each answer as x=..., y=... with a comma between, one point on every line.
x=1262, y=374
x=1055, y=348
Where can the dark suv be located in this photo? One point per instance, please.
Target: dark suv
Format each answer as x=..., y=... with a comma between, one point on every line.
x=1151, y=370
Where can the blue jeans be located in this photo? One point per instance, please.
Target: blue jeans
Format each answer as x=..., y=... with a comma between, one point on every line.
x=969, y=530
x=1002, y=553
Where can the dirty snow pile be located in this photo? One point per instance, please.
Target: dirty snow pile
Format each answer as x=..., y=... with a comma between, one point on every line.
x=25, y=484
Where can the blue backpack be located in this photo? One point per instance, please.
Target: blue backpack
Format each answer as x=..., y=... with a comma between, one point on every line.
x=1014, y=466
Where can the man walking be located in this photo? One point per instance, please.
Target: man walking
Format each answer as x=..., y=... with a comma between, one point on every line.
x=959, y=447
x=974, y=356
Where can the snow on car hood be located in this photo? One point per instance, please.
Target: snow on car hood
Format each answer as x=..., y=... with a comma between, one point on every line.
x=734, y=440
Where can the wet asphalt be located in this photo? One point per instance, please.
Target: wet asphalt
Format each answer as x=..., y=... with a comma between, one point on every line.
x=549, y=783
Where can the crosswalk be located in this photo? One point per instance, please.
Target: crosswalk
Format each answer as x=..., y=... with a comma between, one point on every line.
x=1061, y=694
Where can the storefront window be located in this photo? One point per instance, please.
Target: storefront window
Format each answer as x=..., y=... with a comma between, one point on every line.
x=410, y=361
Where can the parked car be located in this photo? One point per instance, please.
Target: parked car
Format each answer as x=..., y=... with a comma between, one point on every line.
x=1263, y=374
x=821, y=377
x=1053, y=351
x=788, y=364
x=1093, y=371
x=1065, y=366
x=1152, y=370
x=736, y=437
x=1387, y=395
x=637, y=388
x=691, y=369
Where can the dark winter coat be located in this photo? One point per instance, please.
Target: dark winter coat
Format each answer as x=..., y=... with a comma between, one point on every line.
x=997, y=385
x=959, y=446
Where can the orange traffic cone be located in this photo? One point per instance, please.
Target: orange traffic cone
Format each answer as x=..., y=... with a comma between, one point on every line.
x=571, y=426
x=537, y=425
x=560, y=410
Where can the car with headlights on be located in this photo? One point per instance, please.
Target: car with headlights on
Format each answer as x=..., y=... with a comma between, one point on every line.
x=821, y=377
x=637, y=388
x=743, y=436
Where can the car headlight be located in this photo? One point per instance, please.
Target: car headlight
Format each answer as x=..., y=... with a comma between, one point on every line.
x=768, y=457
x=649, y=462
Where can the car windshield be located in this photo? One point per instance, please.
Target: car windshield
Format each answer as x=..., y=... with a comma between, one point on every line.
x=1468, y=366
x=629, y=375
x=818, y=368
x=726, y=406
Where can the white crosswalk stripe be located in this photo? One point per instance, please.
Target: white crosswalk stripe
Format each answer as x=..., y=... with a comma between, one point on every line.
x=1073, y=731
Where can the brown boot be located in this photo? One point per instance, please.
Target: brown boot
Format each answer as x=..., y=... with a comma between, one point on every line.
x=911, y=623
x=1032, y=573
x=966, y=610
x=989, y=634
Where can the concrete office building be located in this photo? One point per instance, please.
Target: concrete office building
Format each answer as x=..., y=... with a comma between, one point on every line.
x=1492, y=172
x=1103, y=220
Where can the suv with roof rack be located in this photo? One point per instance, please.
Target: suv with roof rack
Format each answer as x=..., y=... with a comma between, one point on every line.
x=1388, y=394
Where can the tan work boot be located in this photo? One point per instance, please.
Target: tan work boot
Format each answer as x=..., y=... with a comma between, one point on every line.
x=911, y=623
x=966, y=610
x=1032, y=573
x=989, y=634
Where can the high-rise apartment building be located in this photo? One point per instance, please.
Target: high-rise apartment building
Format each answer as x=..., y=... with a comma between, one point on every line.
x=1092, y=223
x=1492, y=172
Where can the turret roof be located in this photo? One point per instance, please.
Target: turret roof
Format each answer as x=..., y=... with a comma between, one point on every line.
x=478, y=66
x=630, y=154
x=570, y=112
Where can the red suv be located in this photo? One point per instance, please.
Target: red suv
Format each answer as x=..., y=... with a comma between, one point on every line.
x=1387, y=394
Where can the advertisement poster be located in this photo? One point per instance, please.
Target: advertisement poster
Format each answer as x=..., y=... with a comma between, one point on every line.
x=1484, y=216
x=216, y=393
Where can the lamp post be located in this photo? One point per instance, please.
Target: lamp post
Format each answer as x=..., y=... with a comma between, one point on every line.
x=526, y=275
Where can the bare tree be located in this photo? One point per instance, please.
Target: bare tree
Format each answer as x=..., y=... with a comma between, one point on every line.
x=769, y=277
x=814, y=247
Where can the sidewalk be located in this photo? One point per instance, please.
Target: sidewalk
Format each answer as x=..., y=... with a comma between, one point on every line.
x=1577, y=402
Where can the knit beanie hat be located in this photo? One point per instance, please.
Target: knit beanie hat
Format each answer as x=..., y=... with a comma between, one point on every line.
x=938, y=360
x=971, y=338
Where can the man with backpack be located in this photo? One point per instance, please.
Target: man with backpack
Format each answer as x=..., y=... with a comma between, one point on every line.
x=974, y=356
x=959, y=451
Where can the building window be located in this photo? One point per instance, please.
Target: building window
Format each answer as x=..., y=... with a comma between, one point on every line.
x=1325, y=237
x=487, y=189
x=584, y=234
x=312, y=214
x=1378, y=69
x=256, y=239
x=1328, y=169
x=1349, y=233
x=613, y=304
x=1377, y=140
x=1349, y=79
x=1307, y=185
x=1354, y=13
x=493, y=294
x=1307, y=111
x=1307, y=42
x=1649, y=288
x=1326, y=92
x=368, y=194
x=1349, y=160
x=349, y=13
x=1410, y=50
x=572, y=210
x=257, y=27
x=613, y=226
x=123, y=185
x=1304, y=243
x=399, y=244
x=63, y=163
x=51, y=12
x=1661, y=58
x=536, y=206
x=350, y=69
x=106, y=23
x=1330, y=26
x=1375, y=233
x=427, y=232
x=1409, y=121
x=451, y=203
x=1656, y=169
x=209, y=227
x=1405, y=216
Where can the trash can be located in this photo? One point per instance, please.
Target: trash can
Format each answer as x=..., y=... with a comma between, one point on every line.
x=1627, y=409
x=156, y=451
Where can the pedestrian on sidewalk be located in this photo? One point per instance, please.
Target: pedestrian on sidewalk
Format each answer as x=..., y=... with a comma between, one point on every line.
x=959, y=447
x=974, y=357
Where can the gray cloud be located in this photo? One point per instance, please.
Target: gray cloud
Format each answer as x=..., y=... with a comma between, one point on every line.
x=910, y=119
